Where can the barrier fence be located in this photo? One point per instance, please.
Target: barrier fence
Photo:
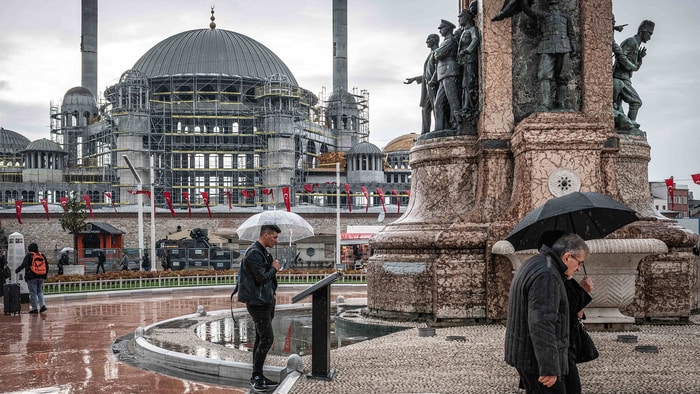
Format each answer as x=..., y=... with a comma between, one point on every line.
x=83, y=286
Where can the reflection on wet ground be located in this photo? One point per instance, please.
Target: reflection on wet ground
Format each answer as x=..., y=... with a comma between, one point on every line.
x=68, y=349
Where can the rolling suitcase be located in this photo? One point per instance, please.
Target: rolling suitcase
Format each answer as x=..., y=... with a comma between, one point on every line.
x=11, y=297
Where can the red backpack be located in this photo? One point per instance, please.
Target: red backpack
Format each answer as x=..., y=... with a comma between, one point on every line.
x=38, y=265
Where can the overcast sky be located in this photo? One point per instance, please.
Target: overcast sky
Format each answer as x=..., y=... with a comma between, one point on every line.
x=40, y=57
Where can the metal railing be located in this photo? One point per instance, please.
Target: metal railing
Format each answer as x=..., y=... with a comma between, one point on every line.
x=85, y=286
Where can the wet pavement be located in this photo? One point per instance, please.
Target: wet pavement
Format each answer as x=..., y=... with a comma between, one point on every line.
x=67, y=349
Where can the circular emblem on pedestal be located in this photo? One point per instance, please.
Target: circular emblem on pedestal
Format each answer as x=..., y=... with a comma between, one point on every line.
x=564, y=181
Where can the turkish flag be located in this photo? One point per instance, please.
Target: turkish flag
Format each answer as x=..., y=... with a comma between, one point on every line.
x=408, y=193
x=696, y=178
x=669, y=187
x=64, y=203
x=245, y=193
x=18, y=210
x=45, y=204
x=287, y=199
x=364, y=191
x=270, y=192
x=381, y=198
x=186, y=196
x=347, y=191
x=205, y=197
x=109, y=195
x=228, y=197
x=169, y=201
x=398, y=200
x=86, y=198
x=309, y=188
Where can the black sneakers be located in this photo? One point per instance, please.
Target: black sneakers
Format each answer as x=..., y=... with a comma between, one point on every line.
x=262, y=384
x=43, y=309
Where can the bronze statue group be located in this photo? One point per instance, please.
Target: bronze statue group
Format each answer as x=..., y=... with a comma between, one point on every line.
x=450, y=80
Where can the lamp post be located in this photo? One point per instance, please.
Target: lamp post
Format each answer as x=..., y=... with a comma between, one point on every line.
x=139, y=202
x=153, y=217
x=337, y=215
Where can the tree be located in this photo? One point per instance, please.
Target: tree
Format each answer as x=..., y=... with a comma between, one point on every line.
x=73, y=218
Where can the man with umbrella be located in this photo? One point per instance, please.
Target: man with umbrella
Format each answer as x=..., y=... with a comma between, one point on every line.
x=537, y=330
x=257, y=287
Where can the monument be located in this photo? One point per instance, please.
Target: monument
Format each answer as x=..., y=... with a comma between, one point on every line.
x=437, y=262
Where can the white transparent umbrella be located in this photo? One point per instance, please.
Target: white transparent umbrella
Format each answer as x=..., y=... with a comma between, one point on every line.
x=293, y=226
x=67, y=249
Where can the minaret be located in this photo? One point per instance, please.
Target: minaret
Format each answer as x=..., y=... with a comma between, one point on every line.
x=340, y=45
x=88, y=45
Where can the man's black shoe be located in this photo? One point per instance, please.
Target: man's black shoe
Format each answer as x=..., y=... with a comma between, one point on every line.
x=271, y=384
x=258, y=384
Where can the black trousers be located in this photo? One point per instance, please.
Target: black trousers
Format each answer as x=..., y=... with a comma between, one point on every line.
x=532, y=386
x=262, y=316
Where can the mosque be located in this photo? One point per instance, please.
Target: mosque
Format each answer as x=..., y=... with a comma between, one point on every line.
x=207, y=116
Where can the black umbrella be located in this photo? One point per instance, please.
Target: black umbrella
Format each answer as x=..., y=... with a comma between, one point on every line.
x=588, y=214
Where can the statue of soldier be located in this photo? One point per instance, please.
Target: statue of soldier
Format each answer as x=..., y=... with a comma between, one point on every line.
x=447, y=103
x=468, y=58
x=556, y=46
x=428, y=87
x=633, y=52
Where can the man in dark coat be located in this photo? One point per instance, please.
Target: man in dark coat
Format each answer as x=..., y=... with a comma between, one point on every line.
x=428, y=85
x=537, y=330
x=257, y=288
x=101, y=258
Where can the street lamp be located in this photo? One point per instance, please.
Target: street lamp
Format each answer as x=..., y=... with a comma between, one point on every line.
x=139, y=201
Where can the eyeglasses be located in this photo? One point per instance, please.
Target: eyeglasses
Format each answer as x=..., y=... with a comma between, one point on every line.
x=577, y=260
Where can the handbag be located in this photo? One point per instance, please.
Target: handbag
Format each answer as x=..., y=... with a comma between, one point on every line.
x=586, y=350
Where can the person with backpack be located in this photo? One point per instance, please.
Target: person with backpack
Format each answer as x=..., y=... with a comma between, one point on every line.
x=35, y=268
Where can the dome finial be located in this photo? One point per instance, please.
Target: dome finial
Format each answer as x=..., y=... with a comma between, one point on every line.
x=212, y=25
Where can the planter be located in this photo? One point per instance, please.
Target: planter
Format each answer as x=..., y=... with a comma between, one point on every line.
x=613, y=265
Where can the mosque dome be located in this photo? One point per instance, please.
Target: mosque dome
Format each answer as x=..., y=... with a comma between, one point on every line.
x=79, y=96
x=44, y=145
x=401, y=143
x=212, y=51
x=364, y=148
x=11, y=142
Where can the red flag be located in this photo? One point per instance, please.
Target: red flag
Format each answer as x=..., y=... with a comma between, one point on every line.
x=64, y=203
x=347, y=191
x=669, y=186
x=18, y=210
x=696, y=178
x=408, y=193
x=270, y=192
x=309, y=188
x=287, y=200
x=245, y=193
x=228, y=197
x=364, y=191
x=398, y=200
x=89, y=206
x=205, y=197
x=45, y=204
x=109, y=195
x=381, y=198
x=169, y=201
x=186, y=196
x=146, y=192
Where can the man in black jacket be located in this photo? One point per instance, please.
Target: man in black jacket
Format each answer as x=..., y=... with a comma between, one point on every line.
x=537, y=330
x=35, y=281
x=257, y=288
